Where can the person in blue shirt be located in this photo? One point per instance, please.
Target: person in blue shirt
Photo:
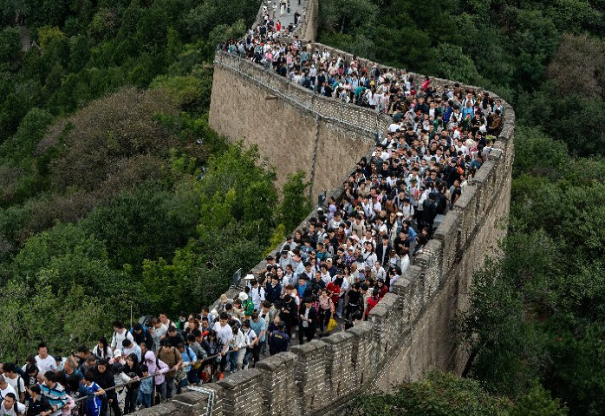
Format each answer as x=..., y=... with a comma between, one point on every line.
x=279, y=340
x=189, y=358
x=302, y=286
x=146, y=388
x=93, y=390
x=477, y=162
x=258, y=325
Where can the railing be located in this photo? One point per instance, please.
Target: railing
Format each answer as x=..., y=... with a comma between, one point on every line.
x=82, y=400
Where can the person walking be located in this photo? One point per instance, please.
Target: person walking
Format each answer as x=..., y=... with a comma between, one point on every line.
x=132, y=370
x=326, y=312
x=308, y=321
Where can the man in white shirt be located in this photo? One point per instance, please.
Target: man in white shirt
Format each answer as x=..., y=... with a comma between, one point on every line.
x=45, y=362
x=119, y=335
x=6, y=388
x=225, y=334
x=257, y=294
x=15, y=380
x=10, y=406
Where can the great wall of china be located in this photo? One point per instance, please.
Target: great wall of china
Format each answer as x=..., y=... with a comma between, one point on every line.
x=410, y=331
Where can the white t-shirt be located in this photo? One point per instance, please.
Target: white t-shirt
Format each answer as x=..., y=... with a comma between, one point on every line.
x=116, y=342
x=13, y=383
x=17, y=409
x=224, y=333
x=46, y=364
x=158, y=333
x=8, y=389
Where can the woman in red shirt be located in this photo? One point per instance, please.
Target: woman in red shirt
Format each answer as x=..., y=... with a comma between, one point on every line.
x=372, y=301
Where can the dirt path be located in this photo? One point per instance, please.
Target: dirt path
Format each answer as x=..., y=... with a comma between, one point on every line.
x=25, y=39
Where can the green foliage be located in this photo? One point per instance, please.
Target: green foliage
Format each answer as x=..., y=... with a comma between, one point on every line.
x=278, y=237
x=440, y=394
x=32, y=129
x=48, y=34
x=452, y=63
x=59, y=280
x=187, y=91
x=344, y=15
x=537, y=402
x=222, y=33
x=210, y=14
x=143, y=224
x=236, y=189
x=110, y=137
x=537, y=313
x=538, y=155
x=296, y=203
x=10, y=44
x=510, y=349
x=64, y=319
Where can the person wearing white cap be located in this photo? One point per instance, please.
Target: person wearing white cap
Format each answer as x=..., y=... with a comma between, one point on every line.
x=247, y=304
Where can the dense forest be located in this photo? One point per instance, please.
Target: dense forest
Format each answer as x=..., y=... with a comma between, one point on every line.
x=535, y=329
x=116, y=198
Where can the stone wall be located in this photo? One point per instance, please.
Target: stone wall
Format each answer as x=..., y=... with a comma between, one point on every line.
x=293, y=128
x=410, y=331
x=308, y=27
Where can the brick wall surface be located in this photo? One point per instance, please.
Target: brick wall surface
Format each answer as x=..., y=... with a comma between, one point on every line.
x=324, y=137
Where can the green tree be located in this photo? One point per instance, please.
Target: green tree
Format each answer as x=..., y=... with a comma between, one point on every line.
x=235, y=189
x=342, y=16
x=10, y=44
x=295, y=204
x=440, y=394
x=537, y=402
x=21, y=146
x=453, y=64
x=142, y=224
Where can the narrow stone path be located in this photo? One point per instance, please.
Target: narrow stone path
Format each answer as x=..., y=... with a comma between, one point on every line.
x=287, y=18
x=25, y=39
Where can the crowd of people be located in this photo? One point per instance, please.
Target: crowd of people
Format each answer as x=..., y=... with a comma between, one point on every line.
x=366, y=84
x=329, y=273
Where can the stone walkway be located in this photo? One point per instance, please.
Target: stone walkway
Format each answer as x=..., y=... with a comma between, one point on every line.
x=25, y=39
x=287, y=18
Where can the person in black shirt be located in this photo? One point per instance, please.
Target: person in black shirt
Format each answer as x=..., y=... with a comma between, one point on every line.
x=279, y=340
x=36, y=403
x=308, y=321
x=103, y=376
x=175, y=337
x=355, y=301
x=141, y=335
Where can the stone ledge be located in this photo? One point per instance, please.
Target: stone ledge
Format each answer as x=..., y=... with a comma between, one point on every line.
x=338, y=338
x=309, y=348
x=275, y=361
x=361, y=330
x=241, y=377
x=163, y=409
x=449, y=222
